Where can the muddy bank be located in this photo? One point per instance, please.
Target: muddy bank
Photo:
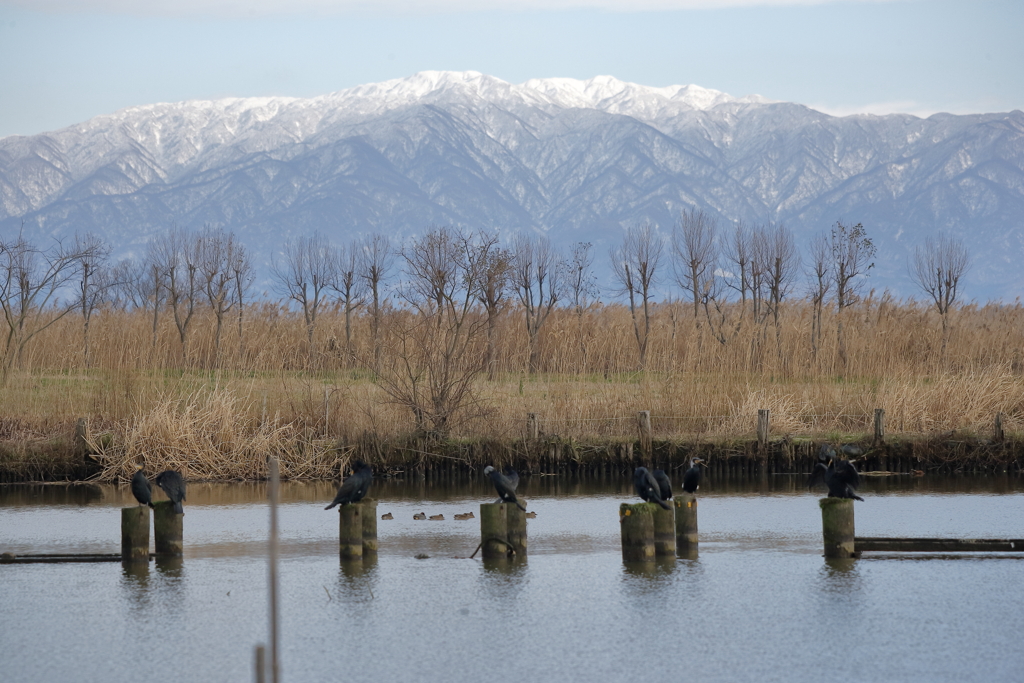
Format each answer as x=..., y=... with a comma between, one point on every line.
x=62, y=460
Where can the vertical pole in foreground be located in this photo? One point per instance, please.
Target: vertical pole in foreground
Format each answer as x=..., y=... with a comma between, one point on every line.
x=516, y=529
x=369, y=507
x=762, y=430
x=686, y=520
x=135, y=534
x=494, y=530
x=837, y=526
x=261, y=664
x=275, y=484
x=167, y=529
x=636, y=523
x=350, y=531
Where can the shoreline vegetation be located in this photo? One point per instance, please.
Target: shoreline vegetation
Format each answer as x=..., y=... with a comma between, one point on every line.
x=484, y=354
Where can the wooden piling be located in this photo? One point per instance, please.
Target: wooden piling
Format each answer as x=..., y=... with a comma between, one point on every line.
x=686, y=520
x=879, y=426
x=369, y=513
x=837, y=526
x=998, y=435
x=516, y=529
x=643, y=420
x=135, y=534
x=664, y=532
x=350, y=531
x=494, y=530
x=762, y=430
x=532, y=426
x=167, y=529
x=636, y=523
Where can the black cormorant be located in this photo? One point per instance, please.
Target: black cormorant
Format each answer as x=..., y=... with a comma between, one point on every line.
x=647, y=487
x=506, y=491
x=840, y=476
x=141, y=488
x=355, y=487
x=664, y=484
x=174, y=486
x=691, y=478
x=512, y=476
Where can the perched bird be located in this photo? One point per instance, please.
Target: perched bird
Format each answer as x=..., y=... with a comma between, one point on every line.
x=355, y=487
x=420, y=515
x=437, y=518
x=840, y=476
x=691, y=478
x=174, y=486
x=664, y=485
x=647, y=488
x=512, y=476
x=387, y=515
x=506, y=491
x=140, y=487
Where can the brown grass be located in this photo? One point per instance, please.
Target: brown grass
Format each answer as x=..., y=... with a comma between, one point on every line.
x=270, y=394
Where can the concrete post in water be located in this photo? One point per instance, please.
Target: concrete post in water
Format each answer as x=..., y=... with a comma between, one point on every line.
x=999, y=428
x=879, y=426
x=167, y=528
x=686, y=520
x=494, y=530
x=643, y=419
x=837, y=526
x=516, y=529
x=350, y=531
x=135, y=534
x=636, y=523
x=664, y=532
x=532, y=426
x=762, y=430
x=369, y=507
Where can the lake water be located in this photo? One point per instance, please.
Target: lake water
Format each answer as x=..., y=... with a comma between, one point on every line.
x=758, y=603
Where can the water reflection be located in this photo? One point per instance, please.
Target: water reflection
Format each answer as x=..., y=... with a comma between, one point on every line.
x=658, y=569
x=135, y=584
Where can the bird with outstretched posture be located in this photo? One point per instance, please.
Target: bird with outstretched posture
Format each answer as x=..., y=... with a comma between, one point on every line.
x=691, y=478
x=839, y=475
x=141, y=489
x=174, y=486
x=354, y=488
x=664, y=484
x=506, y=490
x=647, y=487
x=512, y=476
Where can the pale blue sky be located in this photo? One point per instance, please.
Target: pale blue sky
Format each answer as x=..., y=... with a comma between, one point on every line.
x=64, y=61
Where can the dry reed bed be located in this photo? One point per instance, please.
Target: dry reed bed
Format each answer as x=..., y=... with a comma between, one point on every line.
x=268, y=393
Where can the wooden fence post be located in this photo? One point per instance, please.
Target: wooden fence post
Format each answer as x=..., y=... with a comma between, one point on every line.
x=879, y=426
x=516, y=529
x=837, y=527
x=135, y=534
x=686, y=520
x=762, y=429
x=637, y=528
x=369, y=507
x=999, y=436
x=167, y=529
x=664, y=532
x=644, y=424
x=494, y=530
x=532, y=428
x=350, y=531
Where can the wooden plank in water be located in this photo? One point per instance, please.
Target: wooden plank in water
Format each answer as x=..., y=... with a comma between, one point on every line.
x=8, y=558
x=938, y=545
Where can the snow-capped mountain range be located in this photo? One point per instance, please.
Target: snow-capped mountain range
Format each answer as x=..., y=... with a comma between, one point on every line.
x=578, y=160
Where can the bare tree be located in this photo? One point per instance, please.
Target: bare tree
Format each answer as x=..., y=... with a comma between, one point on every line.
x=695, y=241
x=430, y=364
x=536, y=278
x=780, y=263
x=31, y=283
x=218, y=254
x=582, y=289
x=377, y=259
x=496, y=269
x=851, y=251
x=737, y=253
x=242, y=277
x=306, y=275
x=177, y=258
x=938, y=269
x=94, y=284
x=635, y=266
x=821, y=285
x=350, y=286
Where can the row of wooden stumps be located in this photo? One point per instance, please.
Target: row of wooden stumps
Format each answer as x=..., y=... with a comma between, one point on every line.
x=167, y=531
x=502, y=531
x=357, y=530
x=649, y=531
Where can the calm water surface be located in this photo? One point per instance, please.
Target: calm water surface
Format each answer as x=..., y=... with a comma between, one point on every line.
x=758, y=602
